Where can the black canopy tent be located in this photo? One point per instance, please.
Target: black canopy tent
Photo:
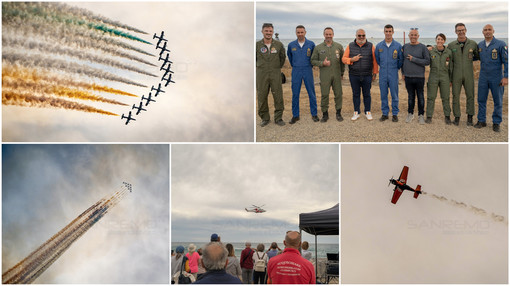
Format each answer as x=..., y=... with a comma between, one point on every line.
x=325, y=222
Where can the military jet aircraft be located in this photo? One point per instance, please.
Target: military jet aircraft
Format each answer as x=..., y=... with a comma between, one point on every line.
x=163, y=49
x=167, y=79
x=401, y=186
x=160, y=39
x=149, y=99
x=139, y=107
x=158, y=90
x=129, y=118
x=165, y=59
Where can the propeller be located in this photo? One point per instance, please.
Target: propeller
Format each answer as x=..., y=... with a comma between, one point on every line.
x=390, y=181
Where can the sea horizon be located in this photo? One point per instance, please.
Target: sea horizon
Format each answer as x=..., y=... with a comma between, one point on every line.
x=322, y=248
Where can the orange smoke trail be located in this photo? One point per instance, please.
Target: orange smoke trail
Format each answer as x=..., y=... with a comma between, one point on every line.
x=48, y=88
x=20, y=99
x=30, y=74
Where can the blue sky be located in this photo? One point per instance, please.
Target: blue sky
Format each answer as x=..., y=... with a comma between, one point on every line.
x=431, y=17
x=45, y=187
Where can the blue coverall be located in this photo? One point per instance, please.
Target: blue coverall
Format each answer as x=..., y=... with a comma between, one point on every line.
x=390, y=60
x=299, y=58
x=492, y=58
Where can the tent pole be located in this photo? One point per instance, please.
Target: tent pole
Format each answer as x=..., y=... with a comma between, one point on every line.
x=316, y=265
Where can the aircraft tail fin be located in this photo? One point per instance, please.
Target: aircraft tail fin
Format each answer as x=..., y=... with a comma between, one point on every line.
x=418, y=191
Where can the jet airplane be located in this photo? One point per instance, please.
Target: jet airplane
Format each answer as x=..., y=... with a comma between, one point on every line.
x=160, y=39
x=401, y=186
x=139, y=107
x=149, y=99
x=167, y=79
x=165, y=59
x=129, y=118
x=163, y=49
x=158, y=90
x=256, y=209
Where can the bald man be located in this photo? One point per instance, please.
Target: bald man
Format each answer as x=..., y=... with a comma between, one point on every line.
x=493, y=76
x=215, y=261
x=290, y=267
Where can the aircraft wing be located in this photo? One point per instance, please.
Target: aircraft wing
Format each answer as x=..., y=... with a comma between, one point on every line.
x=403, y=175
x=396, y=194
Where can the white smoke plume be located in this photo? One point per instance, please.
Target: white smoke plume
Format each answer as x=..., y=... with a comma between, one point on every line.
x=470, y=208
x=56, y=48
x=39, y=60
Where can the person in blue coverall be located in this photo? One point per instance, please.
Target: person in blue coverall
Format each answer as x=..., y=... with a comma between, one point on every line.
x=389, y=57
x=299, y=53
x=493, y=56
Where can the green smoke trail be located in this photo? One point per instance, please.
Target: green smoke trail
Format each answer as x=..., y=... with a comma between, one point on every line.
x=51, y=13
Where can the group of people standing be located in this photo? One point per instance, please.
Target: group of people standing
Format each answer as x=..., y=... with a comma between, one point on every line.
x=255, y=266
x=450, y=65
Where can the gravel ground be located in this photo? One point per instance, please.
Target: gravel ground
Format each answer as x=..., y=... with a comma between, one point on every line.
x=362, y=130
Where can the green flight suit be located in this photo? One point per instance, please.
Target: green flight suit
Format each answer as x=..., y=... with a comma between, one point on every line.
x=330, y=76
x=463, y=74
x=441, y=69
x=269, y=69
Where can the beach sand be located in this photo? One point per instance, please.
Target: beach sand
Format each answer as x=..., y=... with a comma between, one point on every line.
x=362, y=130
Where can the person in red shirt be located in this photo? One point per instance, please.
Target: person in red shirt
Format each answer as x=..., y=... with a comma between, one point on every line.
x=247, y=264
x=290, y=267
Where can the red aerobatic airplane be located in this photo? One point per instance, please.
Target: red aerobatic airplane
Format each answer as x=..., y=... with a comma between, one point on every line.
x=400, y=186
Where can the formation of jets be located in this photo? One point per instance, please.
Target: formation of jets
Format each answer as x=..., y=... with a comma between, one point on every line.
x=164, y=55
x=401, y=186
x=128, y=186
x=256, y=209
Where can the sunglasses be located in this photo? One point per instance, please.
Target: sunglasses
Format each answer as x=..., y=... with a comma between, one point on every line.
x=360, y=36
x=414, y=29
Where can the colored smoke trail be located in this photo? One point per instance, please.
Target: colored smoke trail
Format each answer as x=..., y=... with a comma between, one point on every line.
x=71, y=35
x=28, y=269
x=48, y=88
x=470, y=208
x=27, y=74
x=53, y=13
x=45, y=62
x=87, y=14
x=28, y=100
x=72, y=52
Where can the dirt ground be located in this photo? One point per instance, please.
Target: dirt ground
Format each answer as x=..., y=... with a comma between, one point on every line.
x=362, y=130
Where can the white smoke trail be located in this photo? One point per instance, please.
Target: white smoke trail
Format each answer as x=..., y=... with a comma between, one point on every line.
x=80, y=12
x=470, y=208
x=45, y=62
x=22, y=37
x=76, y=34
x=16, y=43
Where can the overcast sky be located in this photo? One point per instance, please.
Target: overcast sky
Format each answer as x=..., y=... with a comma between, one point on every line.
x=213, y=184
x=424, y=240
x=45, y=187
x=431, y=17
x=212, y=100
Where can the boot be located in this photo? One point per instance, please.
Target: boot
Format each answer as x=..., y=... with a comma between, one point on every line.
x=470, y=120
x=447, y=120
x=339, y=115
x=325, y=116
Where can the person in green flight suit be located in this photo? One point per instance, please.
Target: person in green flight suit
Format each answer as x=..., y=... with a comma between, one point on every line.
x=464, y=52
x=441, y=68
x=328, y=57
x=270, y=57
